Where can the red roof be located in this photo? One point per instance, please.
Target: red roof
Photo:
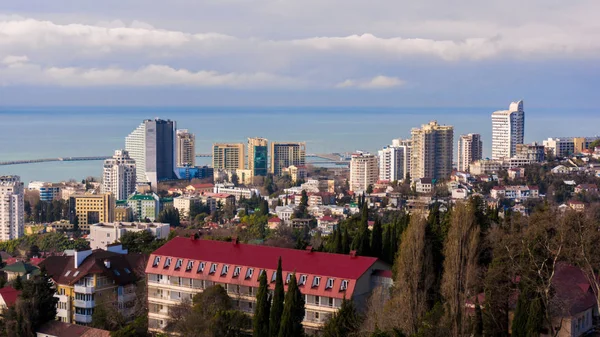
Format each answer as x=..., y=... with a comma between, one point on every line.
x=312, y=264
x=275, y=219
x=9, y=295
x=572, y=290
x=327, y=218
x=202, y=186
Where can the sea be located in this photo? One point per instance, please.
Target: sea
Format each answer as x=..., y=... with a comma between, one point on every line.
x=48, y=132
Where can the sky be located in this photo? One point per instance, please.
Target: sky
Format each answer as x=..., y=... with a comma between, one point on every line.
x=300, y=52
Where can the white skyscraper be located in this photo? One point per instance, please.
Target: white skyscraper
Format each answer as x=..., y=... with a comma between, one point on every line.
x=11, y=208
x=394, y=160
x=508, y=130
x=119, y=176
x=363, y=171
x=470, y=149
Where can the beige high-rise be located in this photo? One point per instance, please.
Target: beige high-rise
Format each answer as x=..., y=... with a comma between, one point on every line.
x=228, y=156
x=186, y=149
x=285, y=155
x=257, y=156
x=364, y=171
x=432, y=150
x=470, y=149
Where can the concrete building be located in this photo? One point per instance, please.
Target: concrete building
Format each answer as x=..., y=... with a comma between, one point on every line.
x=123, y=213
x=184, y=203
x=432, y=151
x=228, y=156
x=424, y=185
x=152, y=146
x=184, y=267
x=284, y=155
x=508, y=130
x=237, y=192
x=258, y=156
x=48, y=191
x=186, y=149
x=296, y=173
x=470, y=149
x=118, y=176
x=12, y=205
x=86, y=279
x=91, y=208
x=535, y=153
x=514, y=192
x=364, y=171
x=104, y=234
x=564, y=147
x=394, y=162
x=144, y=206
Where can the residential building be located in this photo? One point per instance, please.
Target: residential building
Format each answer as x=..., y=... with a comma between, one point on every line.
x=508, y=130
x=424, y=185
x=61, y=329
x=88, y=278
x=119, y=176
x=91, y=208
x=516, y=173
x=123, y=213
x=284, y=155
x=48, y=191
x=186, y=149
x=485, y=166
x=144, y=206
x=284, y=213
x=258, y=156
x=459, y=193
x=296, y=173
x=22, y=269
x=327, y=224
x=586, y=188
x=199, y=188
x=432, y=151
x=184, y=267
x=152, y=146
x=198, y=172
x=364, y=171
x=183, y=204
x=12, y=205
x=535, y=153
x=228, y=156
x=576, y=205
x=244, y=177
x=567, y=146
x=237, y=192
x=470, y=149
x=8, y=297
x=394, y=162
x=66, y=192
x=514, y=192
x=104, y=234
x=273, y=223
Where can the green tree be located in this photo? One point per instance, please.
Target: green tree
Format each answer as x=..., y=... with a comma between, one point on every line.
x=263, y=307
x=76, y=224
x=363, y=247
x=346, y=241
x=377, y=239
x=169, y=215
x=235, y=180
x=277, y=304
x=18, y=283
x=369, y=189
x=519, y=323
x=293, y=311
x=344, y=322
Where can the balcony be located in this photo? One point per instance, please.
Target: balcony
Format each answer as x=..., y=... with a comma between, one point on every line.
x=84, y=304
x=62, y=298
x=62, y=313
x=79, y=318
x=84, y=289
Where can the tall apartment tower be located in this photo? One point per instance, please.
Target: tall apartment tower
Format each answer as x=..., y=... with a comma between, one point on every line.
x=470, y=149
x=186, y=149
x=152, y=146
x=285, y=155
x=228, y=156
x=12, y=220
x=257, y=156
x=363, y=171
x=118, y=176
x=394, y=161
x=508, y=130
x=432, y=150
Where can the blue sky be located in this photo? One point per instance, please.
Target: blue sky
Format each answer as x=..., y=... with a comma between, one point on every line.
x=300, y=52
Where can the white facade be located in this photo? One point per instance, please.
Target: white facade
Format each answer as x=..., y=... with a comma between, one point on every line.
x=514, y=192
x=563, y=147
x=186, y=149
x=470, y=149
x=508, y=130
x=135, y=144
x=11, y=208
x=394, y=161
x=237, y=192
x=363, y=171
x=119, y=177
x=103, y=234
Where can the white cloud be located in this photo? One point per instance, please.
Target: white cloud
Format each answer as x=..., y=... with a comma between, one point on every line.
x=377, y=82
x=12, y=59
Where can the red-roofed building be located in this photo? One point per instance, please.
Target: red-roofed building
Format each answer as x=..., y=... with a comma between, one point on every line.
x=273, y=223
x=591, y=188
x=186, y=266
x=576, y=205
x=200, y=188
x=8, y=297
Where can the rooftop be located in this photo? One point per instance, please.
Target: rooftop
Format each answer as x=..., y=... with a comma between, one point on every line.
x=9, y=295
x=61, y=329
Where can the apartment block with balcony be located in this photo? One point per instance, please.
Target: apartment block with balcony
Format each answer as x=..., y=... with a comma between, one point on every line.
x=184, y=267
x=85, y=279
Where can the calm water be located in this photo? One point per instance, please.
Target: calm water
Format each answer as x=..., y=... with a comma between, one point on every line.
x=29, y=133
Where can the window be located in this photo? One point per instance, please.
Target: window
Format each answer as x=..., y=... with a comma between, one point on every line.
x=249, y=305
x=67, y=273
x=317, y=300
x=178, y=264
x=116, y=272
x=329, y=284
x=274, y=277
x=167, y=262
x=213, y=268
x=189, y=266
x=236, y=271
x=331, y=301
x=225, y=270
x=288, y=278
x=302, y=280
x=127, y=270
x=249, y=273
x=316, y=281
x=201, y=267
x=344, y=285
x=76, y=273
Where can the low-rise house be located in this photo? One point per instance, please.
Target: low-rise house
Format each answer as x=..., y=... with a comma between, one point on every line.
x=588, y=188
x=237, y=192
x=284, y=213
x=8, y=297
x=61, y=329
x=19, y=268
x=516, y=173
x=460, y=193
x=514, y=192
x=104, y=234
x=576, y=205
x=561, y=169
x=273, y=223
x=199, y=188
x=424, y=185
x=327, y=224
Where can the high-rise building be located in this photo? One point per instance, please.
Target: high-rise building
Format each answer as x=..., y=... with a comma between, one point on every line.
x=119, y=176
x=90, y=209
x=11, y=208
x=394, y=161
x=152, y=146
x=257, y=156
x=432, y=150
x=228, y=156
x=508, y=130
x=363, y=171
x=186, y=149
x=470, y=149
x=285, y=155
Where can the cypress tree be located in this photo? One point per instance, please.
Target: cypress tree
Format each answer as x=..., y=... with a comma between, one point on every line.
x=344, y=322
x=377, y=239
x=345, y=241
x=386, y=245
x=293, y=311
x=363, y=247
x=18, y=283
x=277, y=304
x=519, y=324
x=535, y=321
x=263, y=307
x=337, y=242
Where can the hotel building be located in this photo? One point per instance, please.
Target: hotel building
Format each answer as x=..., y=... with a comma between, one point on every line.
x=118, y=175
x=508, y=130
x=228, y=156
x=257, y=156
x=91, y=208
x=432, y=151
x=363, y=171
x=470, y=149
x=285, y=155
x=186, y=149
x=12, y=221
